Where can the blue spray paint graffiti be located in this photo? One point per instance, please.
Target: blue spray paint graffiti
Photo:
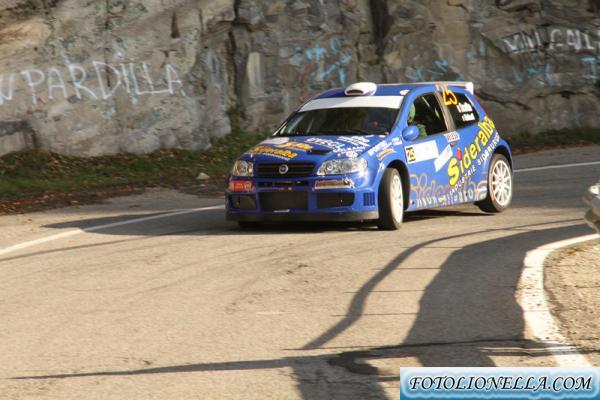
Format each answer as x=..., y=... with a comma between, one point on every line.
x=527, y=69
x=320, y=63
x=591, y=62
x=543, y=74
x=438, y=70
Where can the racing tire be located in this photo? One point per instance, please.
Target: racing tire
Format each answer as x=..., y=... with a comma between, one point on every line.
x=500, y=186
x=391, y=201
x=249, y=225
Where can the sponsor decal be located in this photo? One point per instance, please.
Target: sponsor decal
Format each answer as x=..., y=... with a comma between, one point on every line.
x=355, y=140
x=378, y=148
x=385, y=153
x=285, y=143
x=350, y=146
x=276, y=140
x=241, y=186
x=462, y=165
x=464, y=107
x=351, y=152
x=297, y=146
x=448, y=95
x=332, y=144
x=452, y=137
x=284, y=154
x=483, y=157
x=422, y=152
x=468, y=117
x=443, y=158
x=426, y=192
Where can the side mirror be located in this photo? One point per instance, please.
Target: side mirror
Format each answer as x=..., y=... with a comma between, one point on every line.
x=410, y=133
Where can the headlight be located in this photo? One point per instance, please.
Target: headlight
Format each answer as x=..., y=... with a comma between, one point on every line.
x=340, y=166
x=242, y=168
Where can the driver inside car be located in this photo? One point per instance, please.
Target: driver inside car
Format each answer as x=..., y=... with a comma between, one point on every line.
x=411, y=121
x=378, y=123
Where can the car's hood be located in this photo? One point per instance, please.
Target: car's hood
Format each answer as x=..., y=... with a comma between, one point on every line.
x=311, y=148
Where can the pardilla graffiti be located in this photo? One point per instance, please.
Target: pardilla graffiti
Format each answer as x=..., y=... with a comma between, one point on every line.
x=100, y=81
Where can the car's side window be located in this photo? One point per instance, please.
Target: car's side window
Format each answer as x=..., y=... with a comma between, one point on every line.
x=463, y=112
x=426, y=114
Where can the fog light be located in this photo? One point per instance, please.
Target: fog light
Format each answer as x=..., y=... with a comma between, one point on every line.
x=335, y=184
x=241, y=186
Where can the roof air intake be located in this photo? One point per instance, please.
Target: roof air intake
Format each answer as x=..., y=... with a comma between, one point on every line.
x=361, y=89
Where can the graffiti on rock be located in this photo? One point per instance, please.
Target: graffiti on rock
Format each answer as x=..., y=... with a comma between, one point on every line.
x=552, y=39
x=324, y=60
x=542, y=57
x=100, y=82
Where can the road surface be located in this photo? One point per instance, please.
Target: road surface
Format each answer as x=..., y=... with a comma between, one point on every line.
x=190, y=307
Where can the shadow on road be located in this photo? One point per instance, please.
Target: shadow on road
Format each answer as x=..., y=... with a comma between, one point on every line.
x=467, y=315
x=213, y=222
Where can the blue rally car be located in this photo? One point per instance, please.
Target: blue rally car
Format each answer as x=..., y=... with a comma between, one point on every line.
x=373, y=152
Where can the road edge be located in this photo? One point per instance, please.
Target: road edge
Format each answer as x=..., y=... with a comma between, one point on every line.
x=78, y=231
x=532, y=298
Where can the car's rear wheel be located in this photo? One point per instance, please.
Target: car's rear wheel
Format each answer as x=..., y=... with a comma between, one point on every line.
x=500, y=186
x=391, y=200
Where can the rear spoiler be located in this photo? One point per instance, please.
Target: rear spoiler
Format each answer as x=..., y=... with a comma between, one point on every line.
x=469, y=86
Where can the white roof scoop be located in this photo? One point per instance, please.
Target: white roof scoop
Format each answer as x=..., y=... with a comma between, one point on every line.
x=361, y=89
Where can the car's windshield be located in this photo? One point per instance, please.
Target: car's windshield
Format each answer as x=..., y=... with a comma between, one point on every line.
x=340, y=121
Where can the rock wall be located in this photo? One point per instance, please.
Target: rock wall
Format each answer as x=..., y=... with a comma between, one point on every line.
x=91, y=77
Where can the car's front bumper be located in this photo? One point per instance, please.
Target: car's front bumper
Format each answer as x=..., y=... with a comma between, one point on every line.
x=263, y=199
x=302, y=216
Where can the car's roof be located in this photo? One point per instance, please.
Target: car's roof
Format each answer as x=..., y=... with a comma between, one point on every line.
x=395, y=89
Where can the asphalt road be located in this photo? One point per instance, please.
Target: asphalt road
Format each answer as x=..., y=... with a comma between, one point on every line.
x=190, y=307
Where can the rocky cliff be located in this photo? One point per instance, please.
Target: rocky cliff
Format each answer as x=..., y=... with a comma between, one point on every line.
x=90, y=77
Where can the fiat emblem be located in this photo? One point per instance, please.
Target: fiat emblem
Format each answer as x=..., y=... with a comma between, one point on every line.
x=283, y=169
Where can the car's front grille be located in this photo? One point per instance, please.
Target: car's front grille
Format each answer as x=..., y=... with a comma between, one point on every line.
x=243, y=201
x=369, y=199
x=282, y=184
x=276, y=201
x=331, y=200
x=294, y=170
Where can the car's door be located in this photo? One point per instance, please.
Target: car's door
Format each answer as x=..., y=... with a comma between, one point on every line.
x=428, y=155
x=474, y=136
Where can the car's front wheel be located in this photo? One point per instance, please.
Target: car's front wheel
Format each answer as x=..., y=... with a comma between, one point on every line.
x=391, y=200
x=500, y=186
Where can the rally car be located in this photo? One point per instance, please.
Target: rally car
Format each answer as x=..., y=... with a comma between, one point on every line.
x=374, y=152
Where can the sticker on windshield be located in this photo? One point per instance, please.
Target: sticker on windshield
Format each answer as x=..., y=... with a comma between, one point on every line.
x=468, y=117
x=422, y=152
x=464, y=107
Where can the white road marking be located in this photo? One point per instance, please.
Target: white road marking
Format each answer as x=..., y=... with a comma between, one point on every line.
x=583, y=164
x=78, y=231
x=532, y=299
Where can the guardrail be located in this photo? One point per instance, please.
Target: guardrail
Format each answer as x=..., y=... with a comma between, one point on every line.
x=592, y=198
